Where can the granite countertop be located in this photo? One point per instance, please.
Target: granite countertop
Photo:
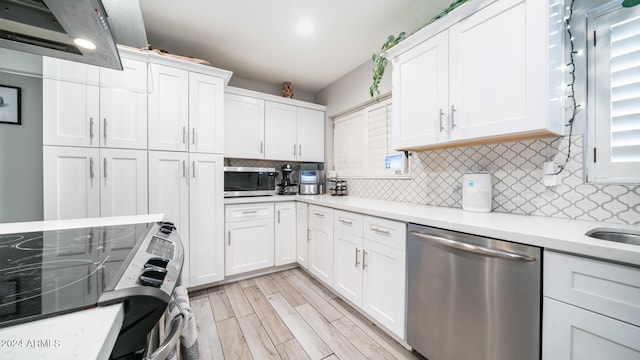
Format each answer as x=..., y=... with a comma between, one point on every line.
x=564, y=235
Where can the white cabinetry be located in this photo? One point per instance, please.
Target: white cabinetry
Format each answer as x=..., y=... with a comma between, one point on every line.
x=123, y=182
x=285, y=233
x=321, y=243
x=261, y=126
x=348, y=248
x=302, y=234
x=206, y=94
x=249, y=237
x=465, y=79
x=590, y=309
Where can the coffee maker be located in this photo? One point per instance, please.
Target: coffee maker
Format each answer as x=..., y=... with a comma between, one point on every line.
x=287, y=186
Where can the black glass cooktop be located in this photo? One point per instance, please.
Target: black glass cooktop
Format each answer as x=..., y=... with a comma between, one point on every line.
x=53, y=272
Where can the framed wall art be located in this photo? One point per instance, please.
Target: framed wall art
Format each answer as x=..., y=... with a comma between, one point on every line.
x=10, y=105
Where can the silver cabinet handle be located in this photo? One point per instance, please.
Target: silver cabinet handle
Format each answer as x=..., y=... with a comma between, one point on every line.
x=473, y=248
x=318, y=214
x=193, y=169
x=169, y=344
x=357, y=251
x=105, y=168
x=453, y=121
x=229, y=238
x=346, y=222
x=300, y=150
x=441, y=115
x=104, y=121
x=184, y=134
x=386, y=232
x=278, y=216
x=91, y=128
x=184, y=169
x=91, y=167
x=250, y=212
x=294, y=150
x=364, y=259
x=193, y=137
x=261, y=147
x=308, y=234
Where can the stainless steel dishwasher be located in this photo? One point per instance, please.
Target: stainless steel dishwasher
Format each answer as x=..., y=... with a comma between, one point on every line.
x=471, y=297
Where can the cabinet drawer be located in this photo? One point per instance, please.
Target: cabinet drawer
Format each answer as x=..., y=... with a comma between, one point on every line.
x=244, y=212
x=320, y=216
x=606, y=288
x=348, y=222
x=388, y=232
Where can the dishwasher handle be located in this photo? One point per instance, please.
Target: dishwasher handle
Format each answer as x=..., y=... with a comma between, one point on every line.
x=473, y=248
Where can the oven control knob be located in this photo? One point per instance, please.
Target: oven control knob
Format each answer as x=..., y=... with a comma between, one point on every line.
x=153, y=276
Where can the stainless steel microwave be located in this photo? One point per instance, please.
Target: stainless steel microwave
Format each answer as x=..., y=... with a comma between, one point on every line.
x=249, y=181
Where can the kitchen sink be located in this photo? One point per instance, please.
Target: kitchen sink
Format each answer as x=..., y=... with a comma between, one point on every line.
x=621, y=236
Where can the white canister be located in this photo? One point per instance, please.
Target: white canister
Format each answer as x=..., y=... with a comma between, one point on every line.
x=476, y=192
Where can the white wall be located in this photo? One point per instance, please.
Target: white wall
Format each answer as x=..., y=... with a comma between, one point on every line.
x=273, y=89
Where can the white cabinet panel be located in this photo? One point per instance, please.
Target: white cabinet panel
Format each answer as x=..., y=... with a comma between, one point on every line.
x=243, y=127
x=123, y=119
x=123, y=189
x=302, y=237
x=206, y=209
x=169, y=194
x=249, y=245
x=70, y=113
x=70, y=71
x=347, y=260
x=206, y=113
x=310, y=135
x=72, y=186
x=168, y=108
x=321, y=243
x=280, y=131
x=132, y=77
x=570, y=332
x=285, y=233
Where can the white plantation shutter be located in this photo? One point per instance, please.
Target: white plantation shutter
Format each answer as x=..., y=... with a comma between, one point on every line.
x=361, y=141
x=616, y=94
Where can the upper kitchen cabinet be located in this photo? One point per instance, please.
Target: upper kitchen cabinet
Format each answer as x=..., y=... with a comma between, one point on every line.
x=481, y=75
x=243, y=127
x=185, y=106
x=84, y=105
x=263, y=126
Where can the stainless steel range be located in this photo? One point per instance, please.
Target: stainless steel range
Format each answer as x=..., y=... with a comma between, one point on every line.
x=48, y=273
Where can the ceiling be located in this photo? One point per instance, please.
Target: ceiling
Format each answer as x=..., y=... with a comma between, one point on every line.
x=257, y=39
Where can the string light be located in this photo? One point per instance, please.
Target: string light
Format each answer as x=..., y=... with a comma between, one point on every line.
x=572, y=93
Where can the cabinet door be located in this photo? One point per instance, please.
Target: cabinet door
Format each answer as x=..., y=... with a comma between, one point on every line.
x=421, y=94
x=207, y=218
x=123, y=182
x=206, y=94
x=285, y=233
x=70, y=113
x=168, y=108
x=383, y=286
x=569, y=332
x=321, y=243
x=123, y=106
x=302, y=237
x=169, y=194
x=488, y=74
x=243, y=127
x=310, y=135
x=70, y=71
x=347, y=266
x=249, y=245
x=280, y=131
x=71, y=186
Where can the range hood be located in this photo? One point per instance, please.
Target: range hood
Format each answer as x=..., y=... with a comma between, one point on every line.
x=57, y=28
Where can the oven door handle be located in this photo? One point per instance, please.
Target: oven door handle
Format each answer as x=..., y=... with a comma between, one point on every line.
x=169, y=344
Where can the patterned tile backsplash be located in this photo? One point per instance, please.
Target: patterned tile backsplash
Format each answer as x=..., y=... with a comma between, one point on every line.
x=516, y=169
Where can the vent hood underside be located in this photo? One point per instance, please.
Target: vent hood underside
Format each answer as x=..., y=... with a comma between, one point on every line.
x=49, y=28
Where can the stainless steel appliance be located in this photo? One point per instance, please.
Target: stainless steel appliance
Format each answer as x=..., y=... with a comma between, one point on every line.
x=48, y=273
x=287, y=186
x=249, y=181
x=471, y=297
x=57, y=29
x=310, y=181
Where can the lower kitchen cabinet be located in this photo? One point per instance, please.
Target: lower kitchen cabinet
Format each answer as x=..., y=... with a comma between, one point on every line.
x=187, y=188
x=249, y=237
x=302, y=234
x=285, y=233
x=591, y=309
x=348, y=248
x=321, y=243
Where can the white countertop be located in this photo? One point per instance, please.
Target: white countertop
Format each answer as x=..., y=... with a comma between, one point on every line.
x=552, y=233
x=18, y=227
x=88, y=334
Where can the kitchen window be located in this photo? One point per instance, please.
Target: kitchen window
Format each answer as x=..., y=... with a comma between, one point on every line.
x=362, y=139
x=614, y=93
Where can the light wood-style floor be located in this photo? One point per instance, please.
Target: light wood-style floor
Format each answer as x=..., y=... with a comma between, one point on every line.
x=286, y=315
